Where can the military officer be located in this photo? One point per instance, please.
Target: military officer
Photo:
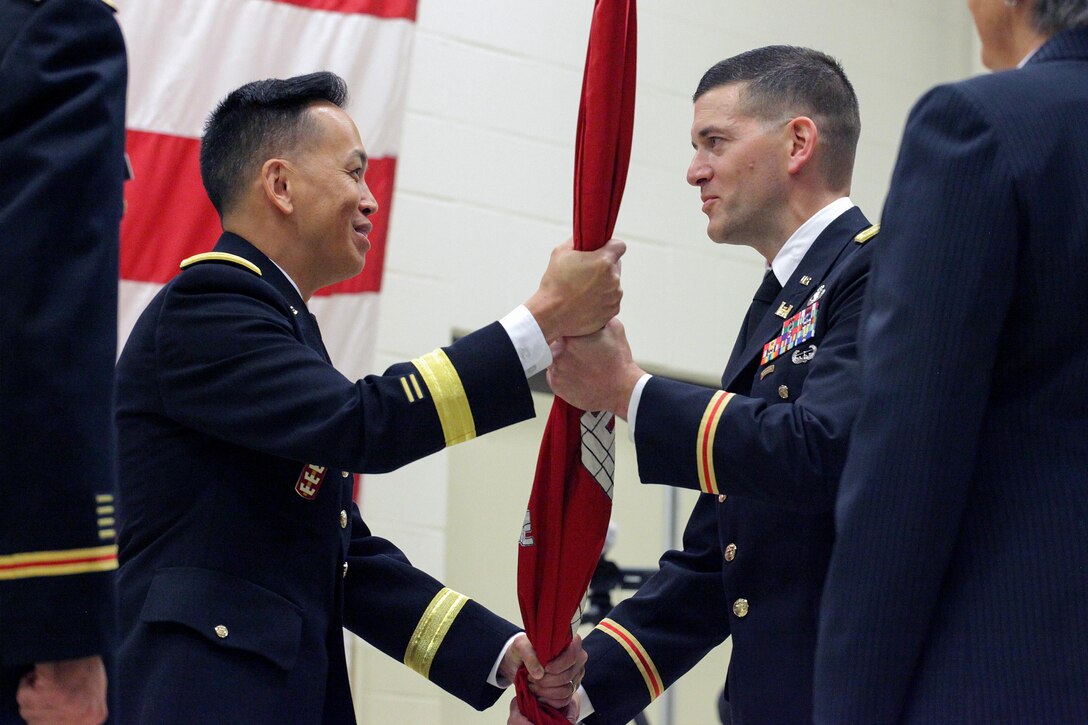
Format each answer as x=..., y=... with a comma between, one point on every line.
x=62, y=117
x=242, y=554
x=774, y=132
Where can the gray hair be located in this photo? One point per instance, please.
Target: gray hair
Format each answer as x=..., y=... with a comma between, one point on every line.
x=1054, y=16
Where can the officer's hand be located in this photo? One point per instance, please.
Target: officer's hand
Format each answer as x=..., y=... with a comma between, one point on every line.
x=580, y=291
x=520, y=653
x=562, y=676
x=570, y=712
x=69, y=692
x=595, y=372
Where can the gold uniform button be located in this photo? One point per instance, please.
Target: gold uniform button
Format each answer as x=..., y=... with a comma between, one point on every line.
x=345, y=569
x=783, y=392
x=731, y=552
x=343, y=519
x=221, y=632
x=722, y=497
x=345, y=474
x=740, y=608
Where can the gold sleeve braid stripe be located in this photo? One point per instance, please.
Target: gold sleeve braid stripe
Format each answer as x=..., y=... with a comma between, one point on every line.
x=638, y=654
x=58, y=563
x=432, y=629
x=449, y=396
x=704, y=449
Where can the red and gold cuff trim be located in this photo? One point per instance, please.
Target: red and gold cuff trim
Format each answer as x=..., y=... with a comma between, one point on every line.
x=450, y=399
x=638, y=654
x=432, y=629
x=58, y=563
x=708, y=427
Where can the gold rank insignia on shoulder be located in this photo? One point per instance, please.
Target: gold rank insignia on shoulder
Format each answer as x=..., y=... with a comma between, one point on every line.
x=867, y=234
x=221, y=257
x=784, y=310
x=110, y=4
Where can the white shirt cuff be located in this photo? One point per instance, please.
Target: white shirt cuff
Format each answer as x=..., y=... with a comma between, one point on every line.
x=585, y=707
x=632, y=405
x=532, y=348
x=493, y=678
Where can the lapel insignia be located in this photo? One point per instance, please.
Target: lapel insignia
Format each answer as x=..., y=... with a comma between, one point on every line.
x=817, y=295
x=784, y=310
x=293, y=309
x=766, y=371
x=802, y=357
x=806, y=280
x=797, y=329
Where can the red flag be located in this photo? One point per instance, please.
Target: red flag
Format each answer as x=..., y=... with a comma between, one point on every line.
x=571, y=500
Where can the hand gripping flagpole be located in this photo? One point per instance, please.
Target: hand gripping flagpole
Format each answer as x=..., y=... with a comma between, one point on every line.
x=571, y=500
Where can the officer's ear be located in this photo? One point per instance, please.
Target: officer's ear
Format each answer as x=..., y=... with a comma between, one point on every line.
x=803, y=136
x=277, y=183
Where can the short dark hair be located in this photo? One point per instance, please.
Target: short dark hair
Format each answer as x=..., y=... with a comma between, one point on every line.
x=259, y=121
x=1054, y=16
x=785, y=79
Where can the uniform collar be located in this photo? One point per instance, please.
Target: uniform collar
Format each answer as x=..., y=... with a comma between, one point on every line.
x=270, y=271
x=834, y=238
x=794, y=250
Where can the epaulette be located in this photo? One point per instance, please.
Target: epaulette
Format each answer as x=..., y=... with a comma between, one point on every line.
x=221, y=257
x=111, y=5
x=868, y=234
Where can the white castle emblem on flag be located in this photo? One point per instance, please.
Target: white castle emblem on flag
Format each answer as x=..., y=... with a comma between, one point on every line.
x=599, y=447
x=526, y=538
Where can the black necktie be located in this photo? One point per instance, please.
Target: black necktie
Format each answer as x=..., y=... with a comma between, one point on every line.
x=761, y=302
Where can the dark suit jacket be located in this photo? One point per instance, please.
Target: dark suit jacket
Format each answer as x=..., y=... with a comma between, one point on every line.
x=756, y=545
x=62, y=114
x=959, y=584
x=242, y=554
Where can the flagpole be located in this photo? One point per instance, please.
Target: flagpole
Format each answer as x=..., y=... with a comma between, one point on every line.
x=670, y=540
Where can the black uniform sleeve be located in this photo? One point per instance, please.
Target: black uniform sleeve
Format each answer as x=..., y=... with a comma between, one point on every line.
x=63, y=74
x=648, y=641
x=407, y=614
x=255, y=386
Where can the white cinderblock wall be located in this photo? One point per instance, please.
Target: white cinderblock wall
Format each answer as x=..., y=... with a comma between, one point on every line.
x=484, y=193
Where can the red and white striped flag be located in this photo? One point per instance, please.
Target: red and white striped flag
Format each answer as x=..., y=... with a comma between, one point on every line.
x=186, y=55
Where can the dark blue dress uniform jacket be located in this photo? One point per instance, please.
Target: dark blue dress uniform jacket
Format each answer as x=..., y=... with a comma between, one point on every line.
x=242, y=554
x=62, y=110
x=757, y=544
x=958, y=592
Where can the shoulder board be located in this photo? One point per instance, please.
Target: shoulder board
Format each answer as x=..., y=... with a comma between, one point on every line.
x=110, y=4
x=867, y=234
x=221, y=257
